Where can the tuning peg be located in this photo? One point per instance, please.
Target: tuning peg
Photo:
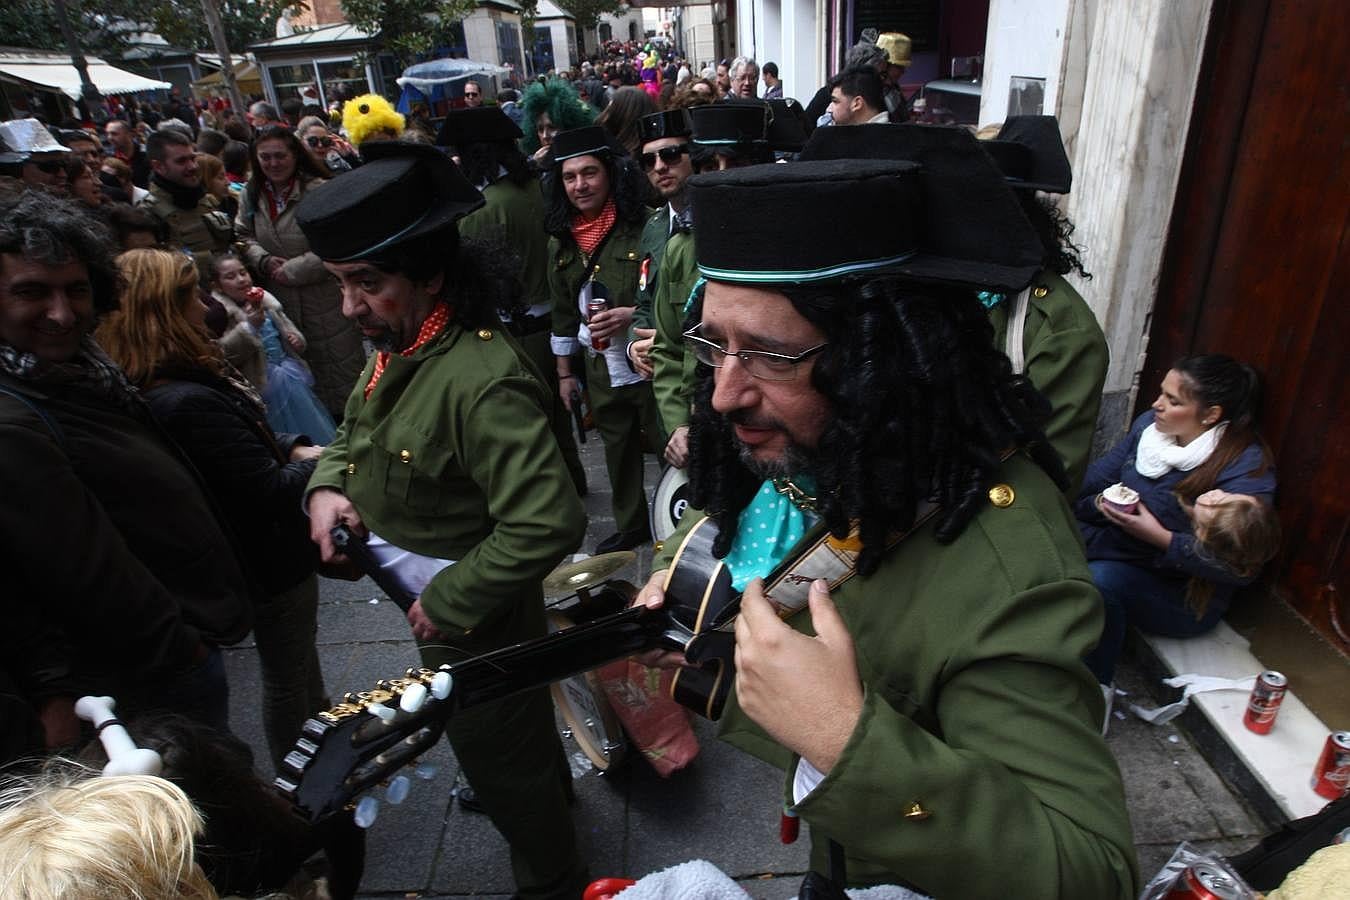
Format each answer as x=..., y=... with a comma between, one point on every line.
x=398, y=789
x=385, y=713
x=426, y=770
x=367, y=808
x=441, y=683
x=413, y=697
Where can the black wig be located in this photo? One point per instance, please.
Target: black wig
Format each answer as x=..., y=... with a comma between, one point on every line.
x=627, y=185
x=1055, y=230
x=923, y=407
x=482, y=162
x=480, y=275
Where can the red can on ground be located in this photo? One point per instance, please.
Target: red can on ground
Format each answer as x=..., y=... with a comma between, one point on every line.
x=1264, y=703
x=1331, y=777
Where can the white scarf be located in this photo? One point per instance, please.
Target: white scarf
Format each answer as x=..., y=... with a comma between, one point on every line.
x=1159, y=453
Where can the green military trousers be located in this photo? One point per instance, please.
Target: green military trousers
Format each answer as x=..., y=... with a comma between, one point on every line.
x=628, y=426
x=512, y=756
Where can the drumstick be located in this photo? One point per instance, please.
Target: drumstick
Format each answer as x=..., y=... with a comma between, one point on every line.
x=124, y=757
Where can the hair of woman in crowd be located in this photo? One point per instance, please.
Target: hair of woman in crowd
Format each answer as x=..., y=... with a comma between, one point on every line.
x=557, y=99
x=70, y=834
x=1216, y=380
x=237, y=159
x=693, y=92
x=622, y=117
x=921, y=402
x=146, y=334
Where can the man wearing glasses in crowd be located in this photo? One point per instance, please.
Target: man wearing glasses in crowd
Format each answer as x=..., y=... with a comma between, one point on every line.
x=665, y=159
x=473, y=94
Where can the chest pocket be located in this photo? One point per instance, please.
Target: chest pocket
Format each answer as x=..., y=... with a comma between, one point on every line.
x=619, y=267
x=418, y=472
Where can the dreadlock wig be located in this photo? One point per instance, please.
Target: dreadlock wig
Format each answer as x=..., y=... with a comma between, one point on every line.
x=564, y=106
x=922, y=407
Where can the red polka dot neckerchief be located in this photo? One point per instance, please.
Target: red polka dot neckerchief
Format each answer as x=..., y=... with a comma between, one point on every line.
x=433, y=326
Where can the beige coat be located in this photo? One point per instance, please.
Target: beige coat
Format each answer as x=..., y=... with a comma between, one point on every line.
x=312, y=298
x=241, y=344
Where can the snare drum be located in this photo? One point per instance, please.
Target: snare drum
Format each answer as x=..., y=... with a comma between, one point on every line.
x=587, y=712
x=669, y=501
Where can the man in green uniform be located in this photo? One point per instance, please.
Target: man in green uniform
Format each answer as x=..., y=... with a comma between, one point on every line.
x=595, y=215
x=724, y=136
x=1047, y=330
x=445, y=460
x=665, y=159
x=935, y=722
x=512, y=219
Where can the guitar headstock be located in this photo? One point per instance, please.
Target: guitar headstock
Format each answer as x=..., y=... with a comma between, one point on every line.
x=359, y=743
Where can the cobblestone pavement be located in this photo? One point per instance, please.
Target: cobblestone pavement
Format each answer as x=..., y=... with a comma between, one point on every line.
x=723, y=808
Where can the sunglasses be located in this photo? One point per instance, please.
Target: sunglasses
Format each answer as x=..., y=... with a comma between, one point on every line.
x=668, y=155
x=472, y=94
x=316, y=141
x=49, y=167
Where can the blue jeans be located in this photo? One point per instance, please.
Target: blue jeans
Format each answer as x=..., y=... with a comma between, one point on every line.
x=1135, y=596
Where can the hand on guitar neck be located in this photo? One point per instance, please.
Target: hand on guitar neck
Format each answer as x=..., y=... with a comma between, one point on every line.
x=653, y=596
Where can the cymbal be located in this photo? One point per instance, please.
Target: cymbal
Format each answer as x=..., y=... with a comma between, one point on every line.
x=571, y=577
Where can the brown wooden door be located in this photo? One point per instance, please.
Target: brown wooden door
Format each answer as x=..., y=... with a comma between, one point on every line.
x=1256, y=266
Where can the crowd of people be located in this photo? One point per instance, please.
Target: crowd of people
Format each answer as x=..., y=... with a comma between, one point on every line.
x=216, y=344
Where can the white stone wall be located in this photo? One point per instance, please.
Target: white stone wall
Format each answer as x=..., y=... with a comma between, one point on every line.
x=1025, y=38
x=789, y=33
x=697, y=36
x=1121, y=77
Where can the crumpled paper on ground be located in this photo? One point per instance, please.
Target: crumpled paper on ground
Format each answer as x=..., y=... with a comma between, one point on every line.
x=699, y=879
x=1191, y=684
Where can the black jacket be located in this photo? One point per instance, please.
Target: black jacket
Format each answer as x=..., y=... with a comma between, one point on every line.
x=246, y=468
x=108, y=532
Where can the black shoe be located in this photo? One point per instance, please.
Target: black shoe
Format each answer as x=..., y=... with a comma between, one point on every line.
x=624, y=540
x=468, y=801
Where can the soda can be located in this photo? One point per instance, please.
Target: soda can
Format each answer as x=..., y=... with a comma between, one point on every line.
x=1331, y=778
x=1264, y=703
x=597, y=305
x=1203, y=881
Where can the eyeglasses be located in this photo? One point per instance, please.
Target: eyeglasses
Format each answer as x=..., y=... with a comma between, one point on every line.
x=758, y=363
x=316, y=141
x=669, y=155
x=472, y=94
x=49, y=166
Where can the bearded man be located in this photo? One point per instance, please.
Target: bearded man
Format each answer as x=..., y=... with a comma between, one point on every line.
x=937, y=726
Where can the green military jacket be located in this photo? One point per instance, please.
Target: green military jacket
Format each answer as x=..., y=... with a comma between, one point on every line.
x=1066, y=359
x=452, y=457
x=672, y=367
x=620, y=261
x=650, y=249
x=205, y=230
x=514, y=214
x=978, y=708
